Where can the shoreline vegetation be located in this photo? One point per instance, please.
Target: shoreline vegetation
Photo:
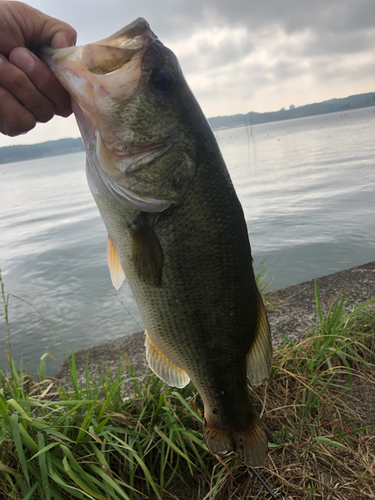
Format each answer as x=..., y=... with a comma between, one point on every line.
x=9, y=154
x=135, y=438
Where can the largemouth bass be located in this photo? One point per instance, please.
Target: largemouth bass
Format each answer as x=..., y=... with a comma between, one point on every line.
x=176, y=229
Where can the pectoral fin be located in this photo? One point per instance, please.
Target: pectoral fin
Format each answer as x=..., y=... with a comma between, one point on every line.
x=117, y=274
x=163, y=367
x=146, y=251
x=259, y=357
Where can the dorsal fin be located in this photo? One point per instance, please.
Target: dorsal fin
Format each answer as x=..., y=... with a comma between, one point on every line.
x=259, y=358
x=117, y=273
x=163, y=367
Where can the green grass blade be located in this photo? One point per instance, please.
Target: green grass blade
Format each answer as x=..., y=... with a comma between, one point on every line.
x=19, y=447
x=187, y=406
x=172, y=445
x=14, y=472
x=19, y=408
x=30, y=492
x=73, y=374
x=119, y=443
x=107, y=479
x=324, y=440
x=85, y=424
x=80, y=483
x=3, y=409
x=43, y=467
x=44, y=450
x=73, y=491
x=77, y=467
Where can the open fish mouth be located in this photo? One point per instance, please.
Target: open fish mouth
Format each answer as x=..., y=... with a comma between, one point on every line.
x=111, y=67
x=107, y=55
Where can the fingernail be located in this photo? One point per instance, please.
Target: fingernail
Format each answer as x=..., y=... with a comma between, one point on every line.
x=64, y=39
x=24, y=60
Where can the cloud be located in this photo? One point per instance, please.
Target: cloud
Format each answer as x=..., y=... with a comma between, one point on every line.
x=290, y=15
x=212, y=48
x=244, y=54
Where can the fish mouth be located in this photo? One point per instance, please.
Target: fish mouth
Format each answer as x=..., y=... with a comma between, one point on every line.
x=104, y=56
x=110, y=67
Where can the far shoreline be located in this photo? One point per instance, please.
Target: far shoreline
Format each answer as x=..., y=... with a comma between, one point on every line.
x=24, y=152
x=218, y=129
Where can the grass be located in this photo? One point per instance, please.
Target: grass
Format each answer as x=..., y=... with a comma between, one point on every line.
x=101, y=442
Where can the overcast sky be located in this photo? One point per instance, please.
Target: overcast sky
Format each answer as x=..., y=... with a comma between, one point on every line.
x=239, y=55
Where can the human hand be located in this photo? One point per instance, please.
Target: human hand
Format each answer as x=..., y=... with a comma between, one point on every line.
x=29, y=91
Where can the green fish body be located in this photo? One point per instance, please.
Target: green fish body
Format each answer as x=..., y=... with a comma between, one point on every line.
x=176, y=229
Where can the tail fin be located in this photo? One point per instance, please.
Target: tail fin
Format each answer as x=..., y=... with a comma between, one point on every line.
x=250, y=444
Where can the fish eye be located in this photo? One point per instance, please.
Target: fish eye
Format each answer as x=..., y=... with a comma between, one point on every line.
x=162, y=79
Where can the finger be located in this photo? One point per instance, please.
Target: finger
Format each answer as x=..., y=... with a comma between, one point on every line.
x=22, y=25
x=17, y=83
x=43, y=79
x=52, y=31
x=14, y=118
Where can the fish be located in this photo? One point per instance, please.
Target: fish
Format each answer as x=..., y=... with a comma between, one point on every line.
x=176, y=229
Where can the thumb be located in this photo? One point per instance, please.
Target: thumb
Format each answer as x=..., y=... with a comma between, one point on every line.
x=64, y=38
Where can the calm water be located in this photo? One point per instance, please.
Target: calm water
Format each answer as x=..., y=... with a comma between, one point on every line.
x=307, y=187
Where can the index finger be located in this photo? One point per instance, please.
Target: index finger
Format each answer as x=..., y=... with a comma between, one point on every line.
x=42, y=78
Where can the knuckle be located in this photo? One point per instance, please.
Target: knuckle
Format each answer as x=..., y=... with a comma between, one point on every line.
x=63, y=106
x=46, y=81
x=44, y=113
x=20, y=125
x=66, y=112
x=15, y=119
x=19, y=82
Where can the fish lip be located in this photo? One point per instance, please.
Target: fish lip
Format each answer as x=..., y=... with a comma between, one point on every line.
x=130, y=34
x=47, y=53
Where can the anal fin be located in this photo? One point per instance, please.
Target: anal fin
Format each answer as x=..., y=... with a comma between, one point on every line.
x=115, y=268
x=259, y=358
x=163, y=367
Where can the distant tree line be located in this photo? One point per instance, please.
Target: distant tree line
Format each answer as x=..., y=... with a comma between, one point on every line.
x=10, y=154
x=331, y=106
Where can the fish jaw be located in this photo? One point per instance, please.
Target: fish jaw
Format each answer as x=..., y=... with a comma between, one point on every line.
x=93, y=71
x=98, y=76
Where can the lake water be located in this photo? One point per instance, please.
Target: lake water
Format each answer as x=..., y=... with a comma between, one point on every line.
x=307, y=187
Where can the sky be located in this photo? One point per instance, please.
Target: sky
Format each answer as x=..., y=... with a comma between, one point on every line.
x=238, y=55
